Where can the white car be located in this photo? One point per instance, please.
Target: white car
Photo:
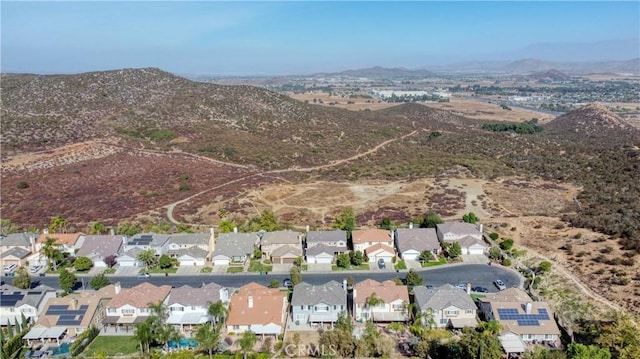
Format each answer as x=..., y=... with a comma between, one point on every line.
x=35, y=269
x=10, y=268
x=500, y=284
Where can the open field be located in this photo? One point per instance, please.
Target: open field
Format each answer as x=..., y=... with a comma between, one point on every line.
x=354, y=104
x=487, y=111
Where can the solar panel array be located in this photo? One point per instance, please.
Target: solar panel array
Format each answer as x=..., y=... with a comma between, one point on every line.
x=523, y=319
x=10, y=300
x=67, y=316
x=143, y=240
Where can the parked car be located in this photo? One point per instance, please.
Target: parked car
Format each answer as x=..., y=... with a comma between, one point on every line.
x=381, y=264
x=479, y=289
x=143, y=275
x=500, y=284
x=429, y=286
x=461, y=286
x=287, y=283
x=35, y=269
x=10, y=268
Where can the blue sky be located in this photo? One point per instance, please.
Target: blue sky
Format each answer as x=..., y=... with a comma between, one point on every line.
x=301, y=37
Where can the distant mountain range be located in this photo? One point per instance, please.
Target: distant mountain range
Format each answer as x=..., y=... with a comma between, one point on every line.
x=525, y=66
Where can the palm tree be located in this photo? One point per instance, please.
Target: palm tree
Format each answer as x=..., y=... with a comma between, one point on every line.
x=218, y=311
x=409, y=310
x=51, y=252
x=208, y=338
x=58, y=225
x=247, y=342
x=144, y=336
x=491, y=327
x=373, y=301
x=97, y=228
x=147, y=257
x=162, y=332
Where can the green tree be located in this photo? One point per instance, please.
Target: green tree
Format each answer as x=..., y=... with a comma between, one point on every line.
x=268, y=221
x=54, y=256
x=544, y=267
x=22, y=279
x=470, y=218
x=274, y=283
x=356, y=258
x=474, y=344
x=581, y=351
x=127, y=228
x=297, y=262
x=97, y=228
x=296, y=276
x=165, y=262
x=346, y=220
x=144, y=336
x=491, y=327
x=506, y=244
x=208, y=338
x=340, y=337
x=257, y=253
x=217, y=311
x=226, y=226
x=82, y=264
x=430, y=220
x=413, y=278
x=7, y=227
x=621, y=336
x=58, y=225
x=99, y=281
x=386, y=223
x=343, y=260
x=426, y=256
x=67, y=280
x=247, y=341
x=495, y=253
x=453, y=250
x=147, y=257
x=494, y=236
x=162, y=332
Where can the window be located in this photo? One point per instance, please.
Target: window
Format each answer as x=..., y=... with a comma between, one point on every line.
x=111, y=310
x=398, y=307
x=144, y=310
x=444, y=321
x=128, y=312
x=335, y=307
x=548, y=336
x=79, y=330
x=12, y=310
x=450, y=312
x=322, y=308
x=469, y=311
x=308, y=307
x=236, y=327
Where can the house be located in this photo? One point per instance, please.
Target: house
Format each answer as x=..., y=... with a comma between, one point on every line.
x=190, y=248
x=98, y=248
x=188, y=306
x=531, y=321
x=234, y=247
x=380, y=251
x=129, y=258
x=411, y=242
x=318, y=303
x=286, y=254
x=15, y=302
x=365, y=238
x=130, y=306
x=26, y=241
x=270, y=241
x=320, y=254
x=392, y=301
x=446, y=307
x=258, y=309
x=65, y=242
x=335, y=238
x=71, y=315
x=15, y=255
x=17, y=244
x=159, y=243
x=468, y=235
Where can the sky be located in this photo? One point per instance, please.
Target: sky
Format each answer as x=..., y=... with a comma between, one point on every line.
x=295, y=37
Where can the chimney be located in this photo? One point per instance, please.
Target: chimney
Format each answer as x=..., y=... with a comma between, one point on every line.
x=307, y=228
x=224, y=295
x=527, y=307
x=32, y=244
x=74, y=304
x=235, y=229
x=469, y=288
x=45, y=231
x=118, y=287
x=112, y=231
x=410, y=225
x=250, y=300
x=481, y=228
x=344, y=284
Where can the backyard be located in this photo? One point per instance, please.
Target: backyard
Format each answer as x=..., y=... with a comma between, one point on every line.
x=112, y=346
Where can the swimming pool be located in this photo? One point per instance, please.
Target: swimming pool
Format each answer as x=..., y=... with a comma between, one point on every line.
x=183, y=343
x=62, y=349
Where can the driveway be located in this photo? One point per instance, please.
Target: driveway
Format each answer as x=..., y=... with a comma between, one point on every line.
x=415, y=265
x=281, y=268
x=189, y=270
x=318, y=267
x=219, y=269
x=475, y=259
x=127, y=271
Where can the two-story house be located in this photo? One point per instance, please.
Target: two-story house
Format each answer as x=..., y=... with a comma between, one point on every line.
x=531, y=321
x=375, y=243
x=65, y=242
x=468, y=235
x=281, y=246
x=234, y=247
x=190, y=248
x=258, y=309
x=318, y=303
x=411, y=242
x=158, y=243
x=100, y=247
x=16, y=302
x=380, y=302
x=130, y=306
x=323, y=246
x=71, y=315
x=188, y=306
x=446, y=307
x=25, y=241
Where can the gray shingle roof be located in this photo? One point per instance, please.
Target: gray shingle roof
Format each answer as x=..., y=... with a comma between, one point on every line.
x=188, y=296
x=459, y=228
x=468, y=241
x=235, y=244
x=157, y=239
x=29, y=298
x=321, y=248
x=326, y=236
x=16, y=252
x=102, y=246
x=419, y=239
x=18, y=239
x=330, y=293
x=280, y=237
x=190, y=238
x=287, y=249
x=193, y=252
x=442, y=297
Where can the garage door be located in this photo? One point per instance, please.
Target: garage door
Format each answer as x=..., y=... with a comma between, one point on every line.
x=410, y=256
x=324, y=260
x=221, y=262
x=187, y=262
x=288, y=260
x=476, y=251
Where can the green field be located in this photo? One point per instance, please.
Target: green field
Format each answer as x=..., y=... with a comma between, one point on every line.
x=112, y=345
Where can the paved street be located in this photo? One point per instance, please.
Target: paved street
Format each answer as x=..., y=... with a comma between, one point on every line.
x=477, y=274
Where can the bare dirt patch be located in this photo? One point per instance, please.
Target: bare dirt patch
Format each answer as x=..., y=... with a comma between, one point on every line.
x=487, y=111
x=520, y=197
x=354, y=104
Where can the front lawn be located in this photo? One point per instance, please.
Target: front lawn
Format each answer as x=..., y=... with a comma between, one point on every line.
x=256, y=266
x=112, y=346
x=235, y=269
x=400, y=265
x=363, y=266
x=440, y=261
x=160, y=270
x=206, y=270
x=109, y=271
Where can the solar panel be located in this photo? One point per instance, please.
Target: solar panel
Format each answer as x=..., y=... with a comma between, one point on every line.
x=58, y=307
x=68, y=322
x=523, y=318
x=34, y=293
x=10, y=300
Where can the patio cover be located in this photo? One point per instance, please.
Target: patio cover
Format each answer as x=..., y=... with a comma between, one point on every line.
x=389, y=316
x=511, y=343
x=463, y=322
x=188, y=318
x=45, y=333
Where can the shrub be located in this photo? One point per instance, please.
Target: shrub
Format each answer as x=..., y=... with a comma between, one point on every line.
x=506, y=262
x=22, y=185
x=506, y=244
x=184, y=186
x=494, y=236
